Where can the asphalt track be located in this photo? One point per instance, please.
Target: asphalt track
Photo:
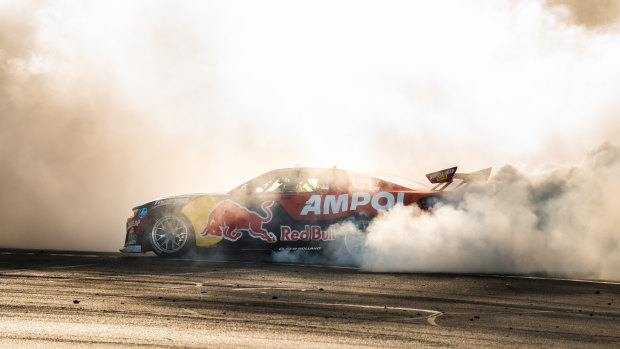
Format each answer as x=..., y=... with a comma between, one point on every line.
x=56, y=299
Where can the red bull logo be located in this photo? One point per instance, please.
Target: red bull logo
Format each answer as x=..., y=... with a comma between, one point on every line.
x=229, y=220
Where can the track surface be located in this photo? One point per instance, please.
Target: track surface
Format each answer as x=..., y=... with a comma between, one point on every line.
x=104, y=300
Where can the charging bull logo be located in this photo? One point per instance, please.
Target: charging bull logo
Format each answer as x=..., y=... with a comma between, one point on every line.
x=229, y=220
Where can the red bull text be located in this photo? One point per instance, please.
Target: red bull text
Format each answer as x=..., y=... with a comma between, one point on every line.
x=310, y=233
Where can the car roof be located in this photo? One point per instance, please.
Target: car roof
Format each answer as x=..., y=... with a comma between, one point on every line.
x=315, y=172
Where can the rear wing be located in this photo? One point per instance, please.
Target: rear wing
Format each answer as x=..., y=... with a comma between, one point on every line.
x=444, y=178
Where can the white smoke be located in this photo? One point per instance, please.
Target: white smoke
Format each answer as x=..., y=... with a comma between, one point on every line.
x=562, y=221
x=297, y=256
x=107, y=104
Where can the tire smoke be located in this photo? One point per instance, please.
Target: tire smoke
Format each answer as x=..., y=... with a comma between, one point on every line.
x=561, y=222
x=107, y=105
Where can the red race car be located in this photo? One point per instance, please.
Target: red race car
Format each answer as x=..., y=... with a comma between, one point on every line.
x=284, y=209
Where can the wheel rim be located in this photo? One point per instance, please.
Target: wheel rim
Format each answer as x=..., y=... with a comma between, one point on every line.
x=169, y=234
x=354, y=240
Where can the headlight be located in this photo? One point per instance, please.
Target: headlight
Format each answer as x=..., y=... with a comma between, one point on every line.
x=135, y=212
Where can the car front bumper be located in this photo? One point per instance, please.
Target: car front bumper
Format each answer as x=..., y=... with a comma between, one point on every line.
x=132, y=249
x=132, y=243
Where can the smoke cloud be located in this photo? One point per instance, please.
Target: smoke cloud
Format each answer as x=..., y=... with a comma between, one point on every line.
x=559, y=221
x=85, y=135
x=593, y=15
x=106, y=105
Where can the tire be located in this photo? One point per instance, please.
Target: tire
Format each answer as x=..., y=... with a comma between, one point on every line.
x=170, y=235
x=348, y=248
x=354, y=240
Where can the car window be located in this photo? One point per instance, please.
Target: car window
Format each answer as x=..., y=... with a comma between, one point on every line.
x=309, y=185
x=298, y=182
x=292, y=185
x=274, y=186
x=335, y=181
x=364, y=183
x=265, y=186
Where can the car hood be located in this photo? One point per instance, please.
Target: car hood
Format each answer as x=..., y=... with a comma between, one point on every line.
x=177, y=199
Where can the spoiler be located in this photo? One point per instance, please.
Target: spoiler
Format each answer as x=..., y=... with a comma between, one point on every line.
x=445, y=177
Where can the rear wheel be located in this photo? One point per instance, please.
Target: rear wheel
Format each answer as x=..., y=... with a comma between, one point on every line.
x=355, y=239
x=348, y=248
x=170, y=235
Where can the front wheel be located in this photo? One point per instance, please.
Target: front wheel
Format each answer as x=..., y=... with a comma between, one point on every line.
x=170, y=235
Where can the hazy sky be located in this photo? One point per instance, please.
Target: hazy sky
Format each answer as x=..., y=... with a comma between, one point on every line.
x=107, y=104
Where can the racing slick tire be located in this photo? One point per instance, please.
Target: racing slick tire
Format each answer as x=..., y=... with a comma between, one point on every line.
x=355, y=239
x=350, y=241
x=170, y=235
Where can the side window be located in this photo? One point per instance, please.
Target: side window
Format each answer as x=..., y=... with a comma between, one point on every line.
x=262, y=186
x=273, y=186
x=294, y=185
x=365, y=183
x=280, y=185
x=336, y=182
x=309, y=185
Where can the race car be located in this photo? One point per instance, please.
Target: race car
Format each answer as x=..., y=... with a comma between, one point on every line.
x=284, y=209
